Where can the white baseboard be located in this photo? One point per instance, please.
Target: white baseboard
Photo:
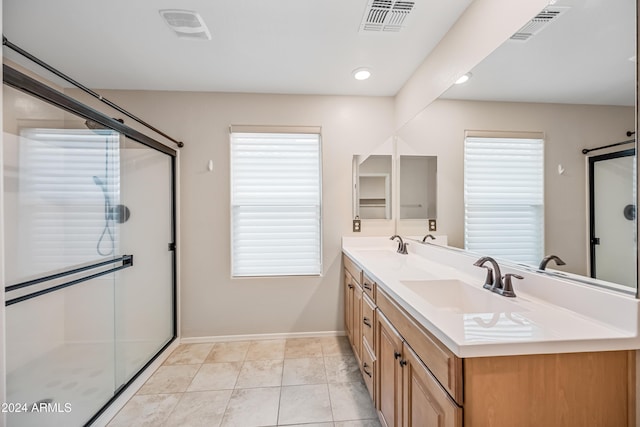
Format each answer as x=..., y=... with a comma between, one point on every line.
x=133, y=388
x=259, y=337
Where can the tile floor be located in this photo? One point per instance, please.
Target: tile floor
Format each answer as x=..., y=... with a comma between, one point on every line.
x=312, y=382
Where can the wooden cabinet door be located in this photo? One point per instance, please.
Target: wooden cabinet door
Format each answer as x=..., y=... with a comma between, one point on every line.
x=425, y=402
x=348, y=305
x=389, y=373
x=357, y=320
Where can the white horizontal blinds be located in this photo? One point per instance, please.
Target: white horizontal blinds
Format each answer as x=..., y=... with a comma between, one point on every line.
x=504, y=197
x=60, y=204
x=275, y=198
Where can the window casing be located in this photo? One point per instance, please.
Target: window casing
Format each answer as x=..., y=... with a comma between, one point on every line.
x=504, y=197
x=275, y=204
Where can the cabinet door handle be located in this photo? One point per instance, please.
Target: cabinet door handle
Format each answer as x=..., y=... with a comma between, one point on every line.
x=367, y=286
x=403, y=363
x=350, y=286
x=366, y=321
x=396, y=355
x=364, y=368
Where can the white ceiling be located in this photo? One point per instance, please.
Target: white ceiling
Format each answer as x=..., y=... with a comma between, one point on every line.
x=312, y=46
x=581, y=58
x=276, y=46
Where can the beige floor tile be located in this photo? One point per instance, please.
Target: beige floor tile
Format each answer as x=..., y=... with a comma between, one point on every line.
x=359, y=423
x=351, y=401
x=228, y=352
x=304, y=371
x=302, y=348
x=260, y=373
x=216, y=376
x=266, y=350
x=189, y=354
x=253, y=407
x=341, y=369
x=335, y=346
x=305, y=404
x=170, y=379
x=145, y=411
x=199, y=409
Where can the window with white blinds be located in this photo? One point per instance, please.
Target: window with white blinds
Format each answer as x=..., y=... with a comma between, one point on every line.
x=504, y=197
x=275, y=204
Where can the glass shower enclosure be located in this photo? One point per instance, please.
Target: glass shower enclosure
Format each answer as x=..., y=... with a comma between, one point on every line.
x=89, y=256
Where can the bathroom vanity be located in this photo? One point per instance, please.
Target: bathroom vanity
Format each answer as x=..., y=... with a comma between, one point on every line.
x=436, y=349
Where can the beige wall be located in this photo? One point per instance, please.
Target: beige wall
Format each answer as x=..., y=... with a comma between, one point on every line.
x=439, y=130
x=213, y=304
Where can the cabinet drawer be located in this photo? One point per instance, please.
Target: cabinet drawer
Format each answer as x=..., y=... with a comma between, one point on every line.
x=443, y=364
x=369, y=286
x=368, y=320
x=368, y=368
x=352, y=268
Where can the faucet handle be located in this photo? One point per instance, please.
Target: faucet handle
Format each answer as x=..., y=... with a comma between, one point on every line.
x=507, y=287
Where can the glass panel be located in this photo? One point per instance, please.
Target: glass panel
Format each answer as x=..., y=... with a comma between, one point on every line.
x=60, y=354
x=144, y=293
x=613, y=218
x=77, y=195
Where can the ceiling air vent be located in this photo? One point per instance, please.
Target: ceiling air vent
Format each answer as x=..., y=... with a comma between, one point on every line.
x=538, y=23
x=186, y=24
x=385, y=15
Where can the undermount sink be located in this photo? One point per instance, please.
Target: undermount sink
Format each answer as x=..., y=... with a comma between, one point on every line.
x=459, y=297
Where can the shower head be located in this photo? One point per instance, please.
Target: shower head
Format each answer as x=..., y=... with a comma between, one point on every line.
x=98, y=182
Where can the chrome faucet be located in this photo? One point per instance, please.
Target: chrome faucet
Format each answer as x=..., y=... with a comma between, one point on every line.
x=545, y=261
x=402, y=246
x=428, y=236
x=494, y=280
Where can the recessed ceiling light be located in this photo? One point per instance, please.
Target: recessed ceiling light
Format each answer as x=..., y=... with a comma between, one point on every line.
x=463, y=79
x=361, y=73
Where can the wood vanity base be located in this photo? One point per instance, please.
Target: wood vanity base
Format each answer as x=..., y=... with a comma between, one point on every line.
x=416, y=381
x=567, y=389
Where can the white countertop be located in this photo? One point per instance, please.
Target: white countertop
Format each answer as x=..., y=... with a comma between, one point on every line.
x=443, y=291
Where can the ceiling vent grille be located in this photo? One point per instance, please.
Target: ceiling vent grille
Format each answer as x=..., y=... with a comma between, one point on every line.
x=386, y=15
x=537, y=24
x=186, y=24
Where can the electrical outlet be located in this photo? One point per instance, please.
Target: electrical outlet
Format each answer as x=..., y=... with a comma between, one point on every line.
x=356, y=225
x=432, y=225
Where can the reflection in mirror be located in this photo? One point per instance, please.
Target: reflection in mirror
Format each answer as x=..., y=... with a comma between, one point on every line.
x=372, y=186
x=418, y=184
x=573, y=81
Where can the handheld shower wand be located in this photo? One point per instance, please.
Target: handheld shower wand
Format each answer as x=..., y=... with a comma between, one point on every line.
x=118, y=213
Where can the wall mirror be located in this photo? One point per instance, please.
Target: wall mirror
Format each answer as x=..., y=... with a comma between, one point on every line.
x=418, y=187
x=372, y=186
x=571, y=78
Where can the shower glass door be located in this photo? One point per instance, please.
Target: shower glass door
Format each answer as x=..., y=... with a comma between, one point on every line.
x=89, y=277
x=144, y=294
x=613, y=217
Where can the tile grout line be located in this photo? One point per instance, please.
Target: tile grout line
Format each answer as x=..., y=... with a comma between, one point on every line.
x=234, y=385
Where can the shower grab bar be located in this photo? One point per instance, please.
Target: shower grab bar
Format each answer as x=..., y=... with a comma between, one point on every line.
x=127, y=261
x=63, y=274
